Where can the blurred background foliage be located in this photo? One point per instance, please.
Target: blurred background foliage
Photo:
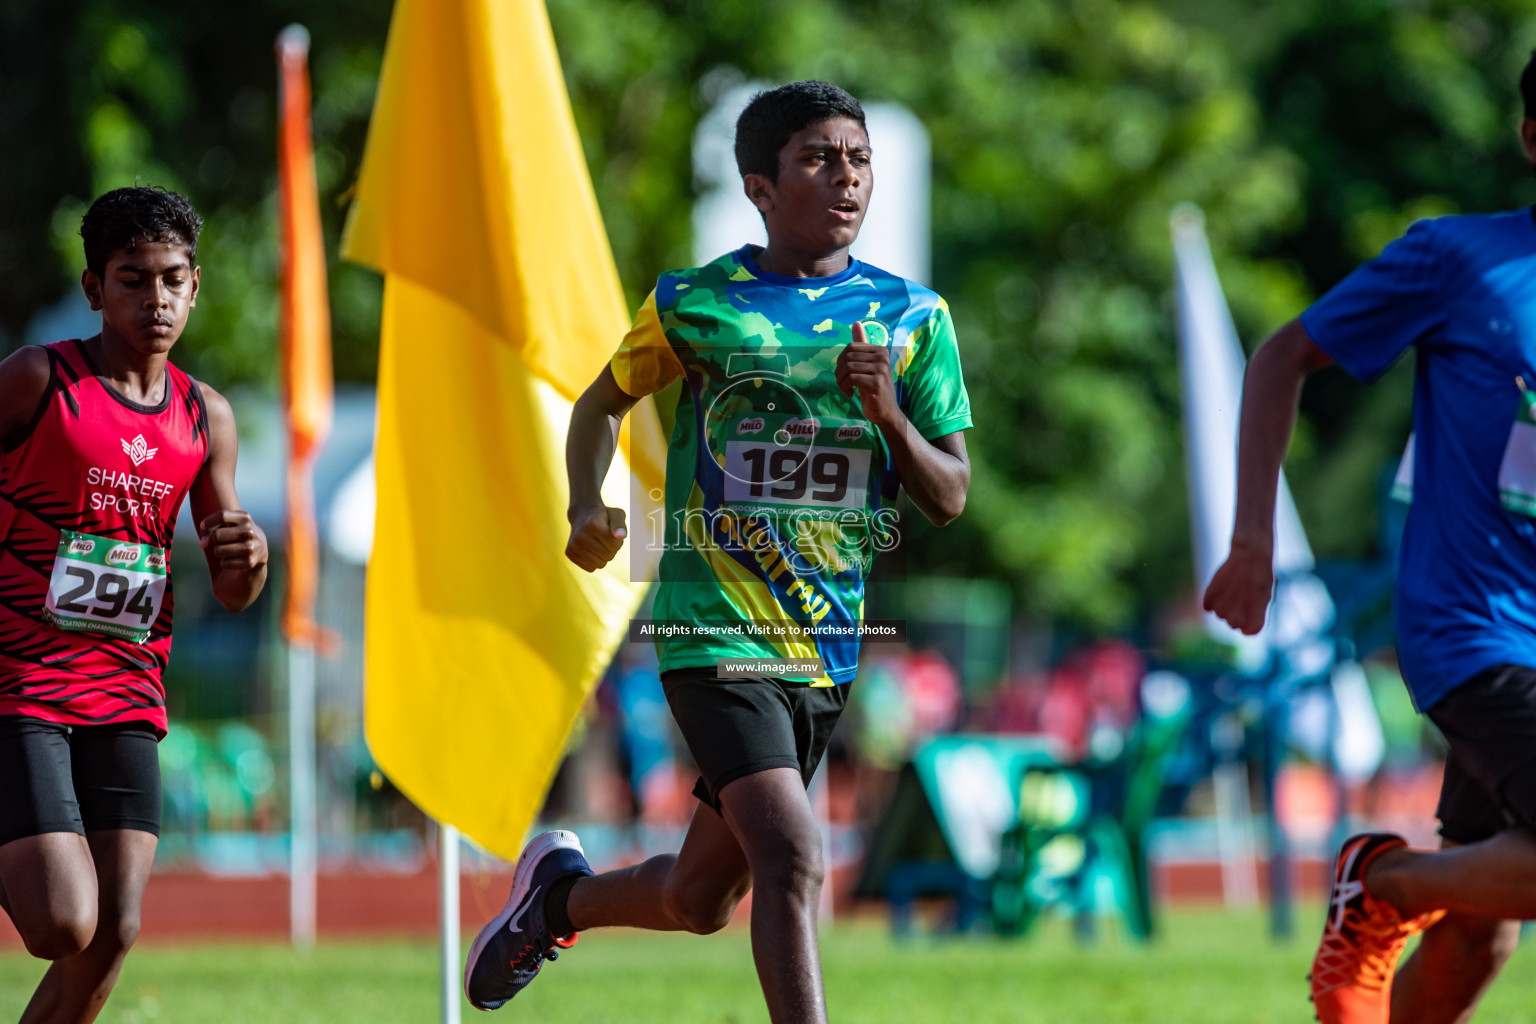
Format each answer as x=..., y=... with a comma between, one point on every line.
x=1310, y=131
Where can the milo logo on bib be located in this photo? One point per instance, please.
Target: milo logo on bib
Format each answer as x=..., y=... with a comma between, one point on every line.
x=81, y=546
x=751, y=425
x=125, y=554
x=805, y=428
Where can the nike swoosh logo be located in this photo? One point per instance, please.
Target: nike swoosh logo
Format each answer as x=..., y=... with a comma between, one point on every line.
x=516, y=924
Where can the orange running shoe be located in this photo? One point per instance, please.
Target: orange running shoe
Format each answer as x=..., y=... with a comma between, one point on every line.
x=1362, y=940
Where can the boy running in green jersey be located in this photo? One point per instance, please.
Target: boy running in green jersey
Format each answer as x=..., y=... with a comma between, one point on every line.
x=814, y=386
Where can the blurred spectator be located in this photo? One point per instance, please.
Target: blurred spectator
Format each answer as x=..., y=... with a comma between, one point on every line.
x=1088, y=704
x=646, y=731
x=901, y=699
x=1065, y=712
x=1114, y=670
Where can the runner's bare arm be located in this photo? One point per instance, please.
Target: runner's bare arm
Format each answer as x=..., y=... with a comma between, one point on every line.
x=23, y=383
x=597, y=532
x=235, y=547
x=936, y=473
x=1239, y=591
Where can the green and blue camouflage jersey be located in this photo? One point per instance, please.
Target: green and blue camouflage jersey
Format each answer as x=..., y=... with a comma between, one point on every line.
x=779, y=492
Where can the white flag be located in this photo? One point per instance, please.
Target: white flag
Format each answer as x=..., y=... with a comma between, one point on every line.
x=1211, y=366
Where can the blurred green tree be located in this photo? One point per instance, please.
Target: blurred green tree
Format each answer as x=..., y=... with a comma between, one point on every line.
x=97, y=96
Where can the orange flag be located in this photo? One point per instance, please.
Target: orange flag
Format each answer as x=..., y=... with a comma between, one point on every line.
x=305, y=328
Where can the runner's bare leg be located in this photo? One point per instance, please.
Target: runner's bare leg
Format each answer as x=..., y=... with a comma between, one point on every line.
x=76, y=987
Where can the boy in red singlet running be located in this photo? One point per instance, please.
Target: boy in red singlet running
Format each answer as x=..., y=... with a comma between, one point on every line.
x=100, y=441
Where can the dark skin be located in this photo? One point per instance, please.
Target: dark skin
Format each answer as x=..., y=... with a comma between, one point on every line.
x=75, y=899
x=1485, y=887
x=765, y=837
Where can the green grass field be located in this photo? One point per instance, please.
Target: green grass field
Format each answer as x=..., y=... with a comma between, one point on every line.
x=1208, y=967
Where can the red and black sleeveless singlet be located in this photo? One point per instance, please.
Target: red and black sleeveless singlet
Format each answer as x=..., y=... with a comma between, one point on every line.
x=91, y=461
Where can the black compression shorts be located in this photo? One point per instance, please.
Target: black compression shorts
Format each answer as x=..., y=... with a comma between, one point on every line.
x=1490, y=777
x=80, y=778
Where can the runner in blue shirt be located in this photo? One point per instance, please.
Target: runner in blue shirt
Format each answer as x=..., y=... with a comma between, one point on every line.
x=1462, y=292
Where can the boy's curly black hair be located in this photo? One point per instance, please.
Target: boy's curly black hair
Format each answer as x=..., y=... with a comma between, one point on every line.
x=773, y=116
x=118, y=220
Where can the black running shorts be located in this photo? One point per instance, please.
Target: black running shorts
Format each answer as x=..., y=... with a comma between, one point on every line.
x=1490, y=776
x=738, y=726
x=80, y=778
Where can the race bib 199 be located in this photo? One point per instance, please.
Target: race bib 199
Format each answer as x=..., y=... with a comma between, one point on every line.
x=112, y=587
x=797, y=462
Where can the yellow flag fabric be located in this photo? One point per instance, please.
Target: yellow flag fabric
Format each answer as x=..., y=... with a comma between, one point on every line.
x=501, y=303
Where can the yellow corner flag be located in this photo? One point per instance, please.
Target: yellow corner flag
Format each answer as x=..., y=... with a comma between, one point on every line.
x=501, y=303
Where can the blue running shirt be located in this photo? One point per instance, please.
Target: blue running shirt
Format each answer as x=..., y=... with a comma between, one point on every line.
x=1463, y=290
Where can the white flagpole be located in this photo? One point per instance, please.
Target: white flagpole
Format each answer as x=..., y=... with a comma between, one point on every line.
x=1234, y=815
x=303, y=854
x=448, y=920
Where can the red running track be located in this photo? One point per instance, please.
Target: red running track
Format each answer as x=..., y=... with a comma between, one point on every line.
x=181, y=907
